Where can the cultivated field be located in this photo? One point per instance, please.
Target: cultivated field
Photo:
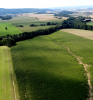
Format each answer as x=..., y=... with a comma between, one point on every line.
x=10, y=29
x=26, y=21
x=29, y=29
x=6, y=78
x=45, y=70
x=42, y=16
x=83, y=33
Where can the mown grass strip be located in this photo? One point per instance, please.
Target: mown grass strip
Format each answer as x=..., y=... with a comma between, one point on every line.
x=6, y=89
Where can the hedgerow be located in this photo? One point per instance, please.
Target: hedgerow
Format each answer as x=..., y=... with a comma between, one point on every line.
x=10, y=40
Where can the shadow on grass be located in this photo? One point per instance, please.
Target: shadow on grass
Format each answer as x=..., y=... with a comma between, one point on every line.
x=40, y=85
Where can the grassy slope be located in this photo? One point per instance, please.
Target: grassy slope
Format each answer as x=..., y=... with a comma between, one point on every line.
x=11, y=29
x=46, y=71
x=90, y=23
x=80, y=46
x=6, y=89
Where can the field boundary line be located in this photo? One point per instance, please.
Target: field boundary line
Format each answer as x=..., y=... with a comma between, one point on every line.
x=12, y=75
x=79, y=59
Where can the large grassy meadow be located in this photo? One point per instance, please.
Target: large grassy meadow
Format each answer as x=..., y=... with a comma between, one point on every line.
x=10, y=29
x=45, y=70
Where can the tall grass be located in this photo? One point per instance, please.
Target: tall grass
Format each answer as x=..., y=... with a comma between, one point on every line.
x=46, y=71
x=80, y=46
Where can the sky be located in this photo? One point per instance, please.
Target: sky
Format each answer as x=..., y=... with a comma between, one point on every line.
x=42, y=3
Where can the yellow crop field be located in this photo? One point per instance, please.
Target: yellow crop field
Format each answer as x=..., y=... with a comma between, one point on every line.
x=83, y=33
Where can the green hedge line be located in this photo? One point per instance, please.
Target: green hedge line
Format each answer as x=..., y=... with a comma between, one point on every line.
x=10, y=40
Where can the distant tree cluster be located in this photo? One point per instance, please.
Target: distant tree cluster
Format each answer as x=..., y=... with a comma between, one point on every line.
x=32, y=25
x=64, y=14
x=19, y=26
x=47, y=24
x=77, y=23
x=41, y=12
x=42, y=25
x=51, y=23
x=7, y=17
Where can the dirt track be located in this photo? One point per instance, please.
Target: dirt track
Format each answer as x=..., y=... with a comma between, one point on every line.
x=79, y=59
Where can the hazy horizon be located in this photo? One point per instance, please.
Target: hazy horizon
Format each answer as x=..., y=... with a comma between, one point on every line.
x=43, y=3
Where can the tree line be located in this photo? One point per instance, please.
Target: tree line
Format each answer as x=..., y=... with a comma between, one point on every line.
x=24, y=10
x=10, y=40
x=64, y=14
x=47, y=24
x=7, y=17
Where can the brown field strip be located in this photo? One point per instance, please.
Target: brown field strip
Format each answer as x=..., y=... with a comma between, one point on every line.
x=83, y=33
x=39, y=16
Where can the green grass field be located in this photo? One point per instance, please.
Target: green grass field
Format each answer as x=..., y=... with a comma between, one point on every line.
x=90, y=23
x=79, y=46
x=45, y=70
x=10, y=27
x=6, y=85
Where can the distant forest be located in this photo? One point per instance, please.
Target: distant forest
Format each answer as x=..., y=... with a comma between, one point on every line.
x=6, y=17
x=25, y=10
x=64, y=14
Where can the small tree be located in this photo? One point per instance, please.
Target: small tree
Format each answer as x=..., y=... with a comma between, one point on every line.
x=48, y=23
x=5, y=28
